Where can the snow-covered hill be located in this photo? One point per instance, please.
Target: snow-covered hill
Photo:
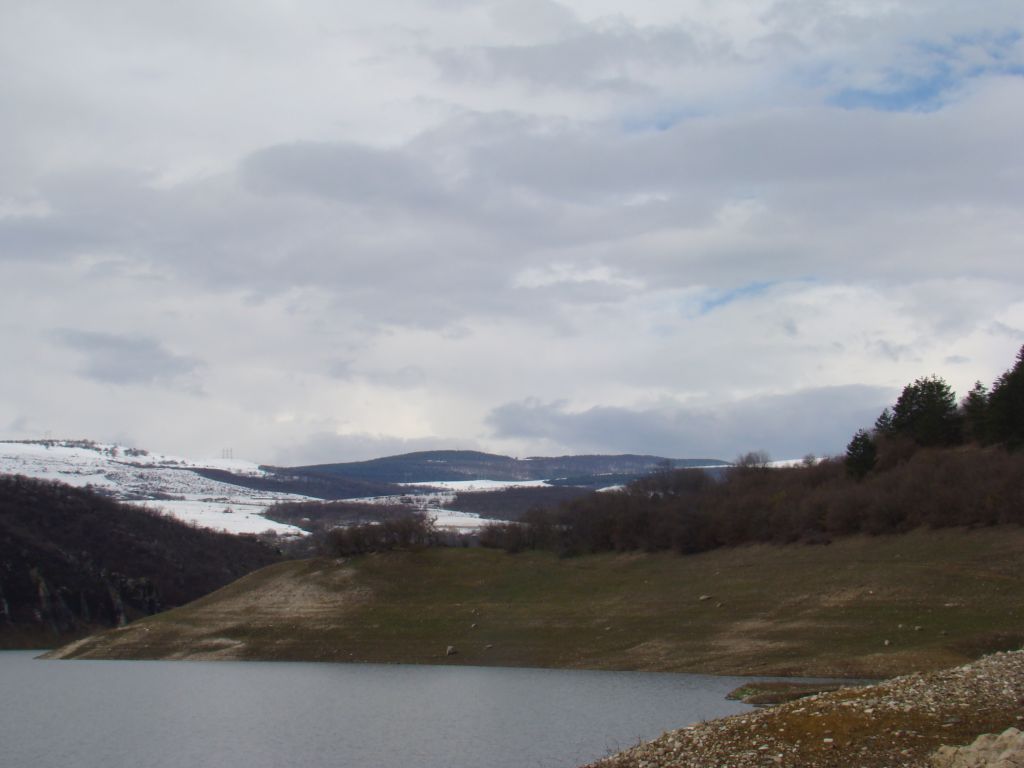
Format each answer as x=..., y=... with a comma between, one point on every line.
x=179, y=487
x=173, y=484
x=169, y=483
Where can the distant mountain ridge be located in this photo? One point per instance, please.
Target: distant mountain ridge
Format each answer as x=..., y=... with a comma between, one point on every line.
x=196, y=491
x=453, y=465
x=232, y=494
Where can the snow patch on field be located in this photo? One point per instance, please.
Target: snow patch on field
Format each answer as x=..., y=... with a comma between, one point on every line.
x=157, y=481
x=232, y=517
x=433, y=505
x=460, y=522
x=785, y=463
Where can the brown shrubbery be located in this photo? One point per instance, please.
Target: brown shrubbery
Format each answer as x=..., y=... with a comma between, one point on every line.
x=316, y=516
x=927, y=462
x=410, y=531
x=687, y=511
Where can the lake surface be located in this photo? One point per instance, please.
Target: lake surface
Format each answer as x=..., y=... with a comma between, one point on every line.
x=153, y=714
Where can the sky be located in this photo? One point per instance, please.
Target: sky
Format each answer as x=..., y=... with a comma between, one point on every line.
x=315, y=231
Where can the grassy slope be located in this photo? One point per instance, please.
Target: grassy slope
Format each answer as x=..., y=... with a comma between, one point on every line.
x=818, y=610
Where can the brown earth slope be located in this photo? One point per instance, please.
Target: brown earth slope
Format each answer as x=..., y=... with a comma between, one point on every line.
x=861, y=607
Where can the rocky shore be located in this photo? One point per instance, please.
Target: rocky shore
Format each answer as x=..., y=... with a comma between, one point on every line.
x=900, y=723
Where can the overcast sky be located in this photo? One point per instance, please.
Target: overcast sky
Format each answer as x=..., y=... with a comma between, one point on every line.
x=318, y=231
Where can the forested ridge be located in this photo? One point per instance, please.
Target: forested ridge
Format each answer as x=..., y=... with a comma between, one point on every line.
x=72, y=560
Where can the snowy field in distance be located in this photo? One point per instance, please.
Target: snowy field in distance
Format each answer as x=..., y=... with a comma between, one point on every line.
x=231, y=516
x=458, y=522
x=434, y=504
x=147, y=479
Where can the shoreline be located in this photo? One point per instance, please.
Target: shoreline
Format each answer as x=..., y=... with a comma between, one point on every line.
x=899, y=722
x=49, y=654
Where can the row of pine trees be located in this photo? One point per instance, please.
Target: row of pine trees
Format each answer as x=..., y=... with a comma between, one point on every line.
x=927, y=415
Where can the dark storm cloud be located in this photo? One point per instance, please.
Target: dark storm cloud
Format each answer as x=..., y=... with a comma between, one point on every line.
x=121, y=359
x=787, y=426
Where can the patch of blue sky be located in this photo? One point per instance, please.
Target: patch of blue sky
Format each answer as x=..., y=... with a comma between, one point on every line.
x=999, y=46
x=659, y=121
x=721, y=299
x=913, y=95
x=941, y=69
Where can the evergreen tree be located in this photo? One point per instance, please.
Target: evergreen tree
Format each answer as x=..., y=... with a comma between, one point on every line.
x=1006, y=406
x=861, y=454
x=926, y=412
x=974, y=411
x=883, y=424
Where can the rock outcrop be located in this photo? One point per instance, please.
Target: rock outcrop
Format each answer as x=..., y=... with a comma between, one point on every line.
x=990, y=750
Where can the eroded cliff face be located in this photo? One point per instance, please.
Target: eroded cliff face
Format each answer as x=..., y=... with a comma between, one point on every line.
x=70, y=601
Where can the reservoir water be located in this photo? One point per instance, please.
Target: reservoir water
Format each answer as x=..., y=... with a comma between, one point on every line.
x=152, y=714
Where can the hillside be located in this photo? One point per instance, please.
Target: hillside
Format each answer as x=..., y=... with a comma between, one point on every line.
x=72, y=562
x=427, y=466
x=862, y=606
x=235, y=495
x=226, y=494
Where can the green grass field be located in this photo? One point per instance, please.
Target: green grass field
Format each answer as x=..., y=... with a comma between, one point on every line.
x=860, y=607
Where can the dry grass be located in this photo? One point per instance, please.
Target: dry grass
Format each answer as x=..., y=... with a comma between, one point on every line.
x=938, y=598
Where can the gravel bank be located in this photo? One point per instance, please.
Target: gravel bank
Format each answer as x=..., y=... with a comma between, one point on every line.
x=896, y=724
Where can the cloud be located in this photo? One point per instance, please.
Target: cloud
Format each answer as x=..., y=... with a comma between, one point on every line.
x=127, y=360
x=329, y=448
x=787, y=426
x=18, y=425
x=404, y=377
x=445, y=227
x=340, y=369
x=403, y=218
x=609, y=57
x=346, y=172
